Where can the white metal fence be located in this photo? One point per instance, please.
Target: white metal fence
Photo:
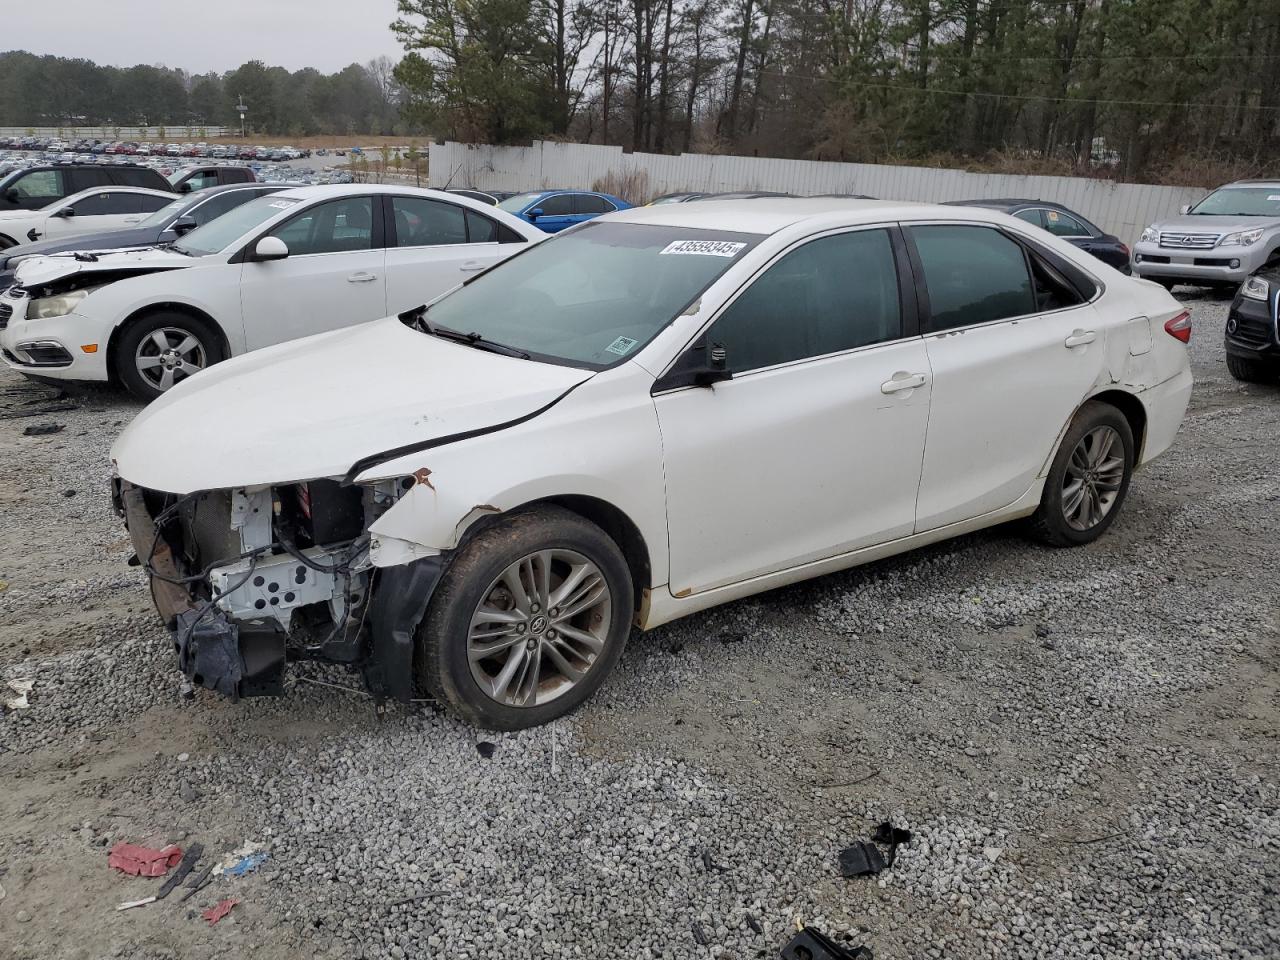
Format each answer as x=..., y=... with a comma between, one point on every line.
x=1120, y=208
x=167, y=132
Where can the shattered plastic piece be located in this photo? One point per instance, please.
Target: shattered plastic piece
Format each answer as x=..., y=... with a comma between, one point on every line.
x=143, y=861
x=130, y=904
x=709, y=864
x=197, y=883
x=43, y=429
x=246, y=865
x=893, y=836
x=860, y=859
x=216, y=913
x=754, y=924
x=486, y=748
x=189, y=861
x=811, y=944
x=21, y=688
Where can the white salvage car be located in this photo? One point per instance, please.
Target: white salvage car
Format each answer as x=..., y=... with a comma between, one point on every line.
x=283, y=266
x=656, y=412
x=89, y=211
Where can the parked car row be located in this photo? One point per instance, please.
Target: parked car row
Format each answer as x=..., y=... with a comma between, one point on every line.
x=146, y=149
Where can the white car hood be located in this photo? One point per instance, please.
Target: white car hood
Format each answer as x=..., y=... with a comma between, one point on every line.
x=41, y=270
x=312, y=408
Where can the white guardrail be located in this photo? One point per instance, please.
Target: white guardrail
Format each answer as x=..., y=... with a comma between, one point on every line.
x=1120, y=208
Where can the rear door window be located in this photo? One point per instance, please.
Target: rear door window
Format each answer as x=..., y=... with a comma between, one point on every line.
x=591, y=204
x=109, y=203
x=1031, y=216
x=1064, y=225
x=973, y=275
x=427, y=223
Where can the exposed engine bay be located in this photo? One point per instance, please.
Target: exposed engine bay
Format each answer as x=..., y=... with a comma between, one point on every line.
x=250, y=578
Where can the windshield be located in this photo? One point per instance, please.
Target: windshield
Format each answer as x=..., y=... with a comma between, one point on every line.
x=1241, y=202
x=164, y=214
x=518, y=202
x=594, y=296
x=219, y=233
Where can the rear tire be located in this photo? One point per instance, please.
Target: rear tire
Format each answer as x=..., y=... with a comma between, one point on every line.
x=1251, y=371
x=1088, y=479
x=474, y=610
x=143, y=365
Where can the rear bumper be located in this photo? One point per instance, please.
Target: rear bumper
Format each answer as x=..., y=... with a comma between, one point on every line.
x=1166, y=406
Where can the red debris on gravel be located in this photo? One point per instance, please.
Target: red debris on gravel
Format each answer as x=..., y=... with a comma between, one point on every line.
x=216, y=913
x=143, y=861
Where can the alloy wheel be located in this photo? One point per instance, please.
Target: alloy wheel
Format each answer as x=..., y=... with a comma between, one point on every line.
x=539, y=628
x=169, y=355
x=1094, y=476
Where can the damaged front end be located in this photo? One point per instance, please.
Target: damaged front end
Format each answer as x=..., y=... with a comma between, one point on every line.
x=251, y=578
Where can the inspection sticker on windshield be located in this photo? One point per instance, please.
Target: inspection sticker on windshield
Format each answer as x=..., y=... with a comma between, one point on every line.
x=706, y=248
x=281, y=204
x=622, y=346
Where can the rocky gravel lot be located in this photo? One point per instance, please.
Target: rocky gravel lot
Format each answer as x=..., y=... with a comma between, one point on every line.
x=1083, y=742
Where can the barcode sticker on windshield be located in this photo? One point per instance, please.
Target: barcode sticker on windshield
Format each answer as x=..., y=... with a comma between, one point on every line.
x=1273, y=197
x=622, y=346
x=706, y=248
x=281, y=204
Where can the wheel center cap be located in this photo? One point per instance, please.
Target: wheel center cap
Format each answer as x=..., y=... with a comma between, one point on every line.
x=538, y=624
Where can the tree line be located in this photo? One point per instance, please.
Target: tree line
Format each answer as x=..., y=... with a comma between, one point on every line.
x=63, y=92
x=1135, y=88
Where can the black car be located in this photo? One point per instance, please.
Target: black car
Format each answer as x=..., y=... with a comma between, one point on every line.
x=1063, y=223
x=1253, y=328
x=201, y=178
x=185, y=213
x=36, y=187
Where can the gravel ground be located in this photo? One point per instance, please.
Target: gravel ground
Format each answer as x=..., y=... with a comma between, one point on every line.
x=1083, y=742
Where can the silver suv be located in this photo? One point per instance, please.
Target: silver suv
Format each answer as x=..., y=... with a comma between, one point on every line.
x=1221, y=240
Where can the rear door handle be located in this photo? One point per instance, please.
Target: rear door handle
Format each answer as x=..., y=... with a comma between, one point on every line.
x=472, y=266
x=903, y=381
x=1079, y=338
x=361, y=277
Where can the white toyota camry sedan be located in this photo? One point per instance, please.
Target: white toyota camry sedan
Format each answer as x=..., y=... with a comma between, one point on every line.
x=653, y=413
x=287, y=265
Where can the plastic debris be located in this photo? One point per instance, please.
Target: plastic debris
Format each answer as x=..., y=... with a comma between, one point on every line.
x=864, y=857
x=216, y=913
x=189, y=861
x=860, y=859
x=811, y=944
x=197, y=883
x=486, y=749
x=130, y=904
x=700, y=934
x=243, y=861
x=43, y=429
x=21, y=688
x=143, y=861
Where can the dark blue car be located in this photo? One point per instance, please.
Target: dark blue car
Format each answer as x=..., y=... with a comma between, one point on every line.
x=554, y=210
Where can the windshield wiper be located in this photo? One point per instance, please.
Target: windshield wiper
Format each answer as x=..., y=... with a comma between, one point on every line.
x=417, y=319
x=173, y=247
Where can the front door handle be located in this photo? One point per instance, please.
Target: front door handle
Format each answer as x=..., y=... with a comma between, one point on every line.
x=903, y=381
x=472, y=266
x=1079, y=338
x=361, y=277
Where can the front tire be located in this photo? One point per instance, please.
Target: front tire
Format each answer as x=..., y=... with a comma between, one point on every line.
x=1251, y=371
x=1088, y=479
x=162, y=349
x=527, y=621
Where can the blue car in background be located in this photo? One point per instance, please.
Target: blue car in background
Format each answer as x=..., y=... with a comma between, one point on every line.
x=553, y=210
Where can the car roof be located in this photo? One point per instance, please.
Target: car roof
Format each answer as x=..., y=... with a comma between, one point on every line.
x=770, y=214
x=1252, y=183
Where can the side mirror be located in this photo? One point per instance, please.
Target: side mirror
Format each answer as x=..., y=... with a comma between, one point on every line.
x=184, y=187
x=270, y=248
x=12, y=195
x=1185, y=208
x=66, y=212
x=185, y=225
x=534, y=214
x=702, y=365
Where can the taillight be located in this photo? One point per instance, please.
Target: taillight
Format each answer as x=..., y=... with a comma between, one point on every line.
x=1180, y=326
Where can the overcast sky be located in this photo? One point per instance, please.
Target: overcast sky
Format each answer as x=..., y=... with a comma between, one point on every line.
x=215, y=35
